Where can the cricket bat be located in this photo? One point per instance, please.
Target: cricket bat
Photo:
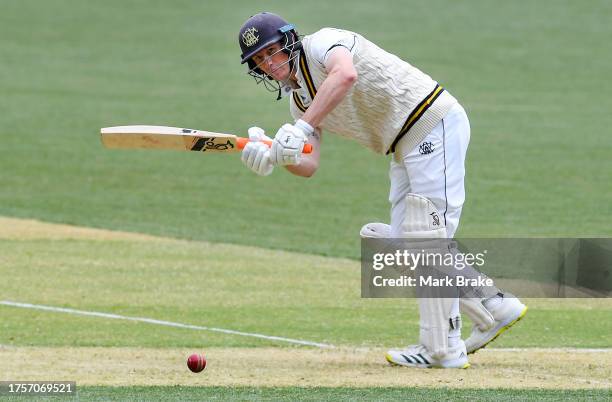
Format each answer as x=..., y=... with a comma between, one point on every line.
x=180, y=139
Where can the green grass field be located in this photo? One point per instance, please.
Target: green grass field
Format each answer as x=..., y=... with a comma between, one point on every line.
x=533, y=78
x=258, y=292
x=276, y=255
x=336, y=394
x=309, y=297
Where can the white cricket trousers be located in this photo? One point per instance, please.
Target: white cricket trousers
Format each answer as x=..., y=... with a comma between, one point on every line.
x=434, y=169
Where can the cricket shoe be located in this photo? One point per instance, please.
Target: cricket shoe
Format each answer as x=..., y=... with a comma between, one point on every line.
x=507, y=310
x=418, y=356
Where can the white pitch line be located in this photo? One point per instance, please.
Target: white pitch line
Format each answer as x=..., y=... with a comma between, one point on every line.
x=268, y=337
x=160, y=322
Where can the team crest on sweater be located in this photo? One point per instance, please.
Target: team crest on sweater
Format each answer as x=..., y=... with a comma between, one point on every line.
x=426, y=148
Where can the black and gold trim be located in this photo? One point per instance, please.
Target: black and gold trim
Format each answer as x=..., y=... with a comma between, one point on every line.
x=312, y=91
x=416, y=114
x=298, y=102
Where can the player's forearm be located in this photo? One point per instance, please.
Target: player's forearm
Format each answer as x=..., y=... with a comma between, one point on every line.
x=330, y=94
x=306, y=168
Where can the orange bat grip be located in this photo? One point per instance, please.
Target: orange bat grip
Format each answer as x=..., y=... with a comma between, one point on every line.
x=241, y=142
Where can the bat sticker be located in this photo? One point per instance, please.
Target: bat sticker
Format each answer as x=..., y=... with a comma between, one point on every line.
x=205, y=143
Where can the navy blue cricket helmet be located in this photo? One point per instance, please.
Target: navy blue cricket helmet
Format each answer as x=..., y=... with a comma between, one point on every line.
x=263, y=30
x=260, y=31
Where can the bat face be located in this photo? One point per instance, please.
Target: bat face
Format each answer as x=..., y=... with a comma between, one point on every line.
x=162, y=137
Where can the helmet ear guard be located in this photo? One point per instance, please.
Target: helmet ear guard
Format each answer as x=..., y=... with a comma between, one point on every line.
x=293, y=42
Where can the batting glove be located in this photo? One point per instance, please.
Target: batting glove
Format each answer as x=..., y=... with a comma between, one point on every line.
x=256, y=154
x=288, y=143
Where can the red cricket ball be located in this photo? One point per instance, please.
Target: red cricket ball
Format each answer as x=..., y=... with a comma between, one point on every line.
x=196, y=362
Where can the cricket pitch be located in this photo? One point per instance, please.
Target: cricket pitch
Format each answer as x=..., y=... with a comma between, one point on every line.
x=280, y=367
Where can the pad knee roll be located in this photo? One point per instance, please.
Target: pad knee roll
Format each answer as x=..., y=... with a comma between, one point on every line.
x=422, y=219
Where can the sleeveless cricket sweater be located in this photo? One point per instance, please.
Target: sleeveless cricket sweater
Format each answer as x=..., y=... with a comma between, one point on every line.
x=391, y=99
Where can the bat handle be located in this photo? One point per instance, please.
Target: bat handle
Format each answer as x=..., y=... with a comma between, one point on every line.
x=242, y=141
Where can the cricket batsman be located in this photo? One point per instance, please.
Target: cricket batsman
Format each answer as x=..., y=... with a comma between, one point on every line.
x=339, y=81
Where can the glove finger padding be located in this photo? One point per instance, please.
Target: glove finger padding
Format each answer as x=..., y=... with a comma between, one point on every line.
x=276, y=153
x=256, y=156
x=265, y=166
x=257, y=134
x=253, y=154
x=249, y=148
x=259, y=158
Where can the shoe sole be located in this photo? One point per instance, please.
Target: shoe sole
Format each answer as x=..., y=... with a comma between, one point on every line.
x=501, y=331
x=393, y=363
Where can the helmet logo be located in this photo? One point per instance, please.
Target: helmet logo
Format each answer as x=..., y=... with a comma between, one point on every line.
x=249, y=38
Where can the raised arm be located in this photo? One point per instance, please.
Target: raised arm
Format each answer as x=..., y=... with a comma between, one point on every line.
x=340, y=79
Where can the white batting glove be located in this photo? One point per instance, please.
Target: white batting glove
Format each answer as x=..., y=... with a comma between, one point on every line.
x=256, y=154
x=289, y=142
